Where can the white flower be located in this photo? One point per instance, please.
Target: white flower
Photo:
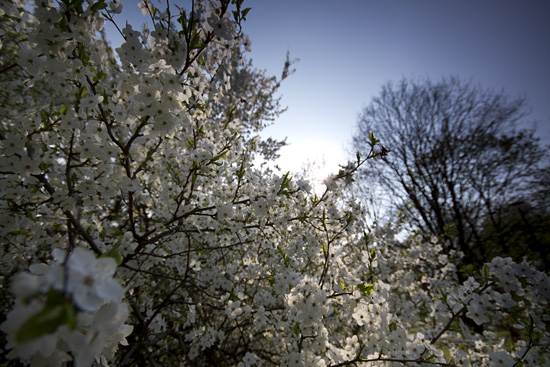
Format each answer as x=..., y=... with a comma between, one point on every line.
x=148, y=93
x=361, y=314
x=222, y=27
x=461, y=358
x=477, y=309
x=90, y=285
x=224, y=211
x=25, y=285
x=294, y=359
x=49, y=276
x=331, y=182
x=164, y=121
x=504, y=299
x=261, y=207
x=156, y=323
x=416, y=347
x=247, y=43
x=91, y=101
x=249, y=359
x=501, y=359
x=90, y=280
x=43, y=345
x=145, y=7
x=106, y=331
x=304, y=185
x=233, y=309
x=30, y=60
x=127, y=184
x=115, y=7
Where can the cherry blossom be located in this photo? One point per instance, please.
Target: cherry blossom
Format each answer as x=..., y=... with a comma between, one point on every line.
x=90, y=280
x=142, y=223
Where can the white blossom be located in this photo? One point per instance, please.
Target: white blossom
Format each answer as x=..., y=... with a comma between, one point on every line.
x=135, y=195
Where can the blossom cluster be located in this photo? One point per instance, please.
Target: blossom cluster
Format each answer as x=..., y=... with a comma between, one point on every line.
x=139, y=165
x=495, y=317
x=71, y=305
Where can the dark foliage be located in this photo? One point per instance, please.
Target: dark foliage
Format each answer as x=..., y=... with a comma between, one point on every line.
x=460, y=167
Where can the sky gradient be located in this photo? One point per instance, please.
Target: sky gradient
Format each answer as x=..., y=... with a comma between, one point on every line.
x=348, y=49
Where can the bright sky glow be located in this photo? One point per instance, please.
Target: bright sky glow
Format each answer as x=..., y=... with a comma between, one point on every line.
x=348, y=49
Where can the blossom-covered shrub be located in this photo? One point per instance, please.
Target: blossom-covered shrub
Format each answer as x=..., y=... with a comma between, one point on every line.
x=73, y=305
x=136, y=229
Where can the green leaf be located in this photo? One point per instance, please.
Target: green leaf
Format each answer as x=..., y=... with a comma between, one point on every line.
x=82, y=53
x=218, y=157
x=81, y=92
x=373, y=140
x=296, y=330
x=485, y=271
x=44, y=115
x=64, y=110
x=195, y=41
x=285, y=182
x=241, y=171
x=78, y=6
x=244, y=13
x=286, y=259
x=182, y=20
x=29, y=215
x=113, y=253
x=373, y=254
x=367, y=288
x=56, y=312
x=99, y=76
x=467, y=270
x=98, y=6
x=17, y=232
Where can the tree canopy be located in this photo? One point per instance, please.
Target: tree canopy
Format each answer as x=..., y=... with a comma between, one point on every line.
x=462, y=167
x=135, y=228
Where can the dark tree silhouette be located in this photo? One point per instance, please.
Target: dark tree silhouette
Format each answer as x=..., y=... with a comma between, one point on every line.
x=459, y=167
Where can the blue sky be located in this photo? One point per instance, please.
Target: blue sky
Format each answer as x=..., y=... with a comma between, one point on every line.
x=349, y=48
